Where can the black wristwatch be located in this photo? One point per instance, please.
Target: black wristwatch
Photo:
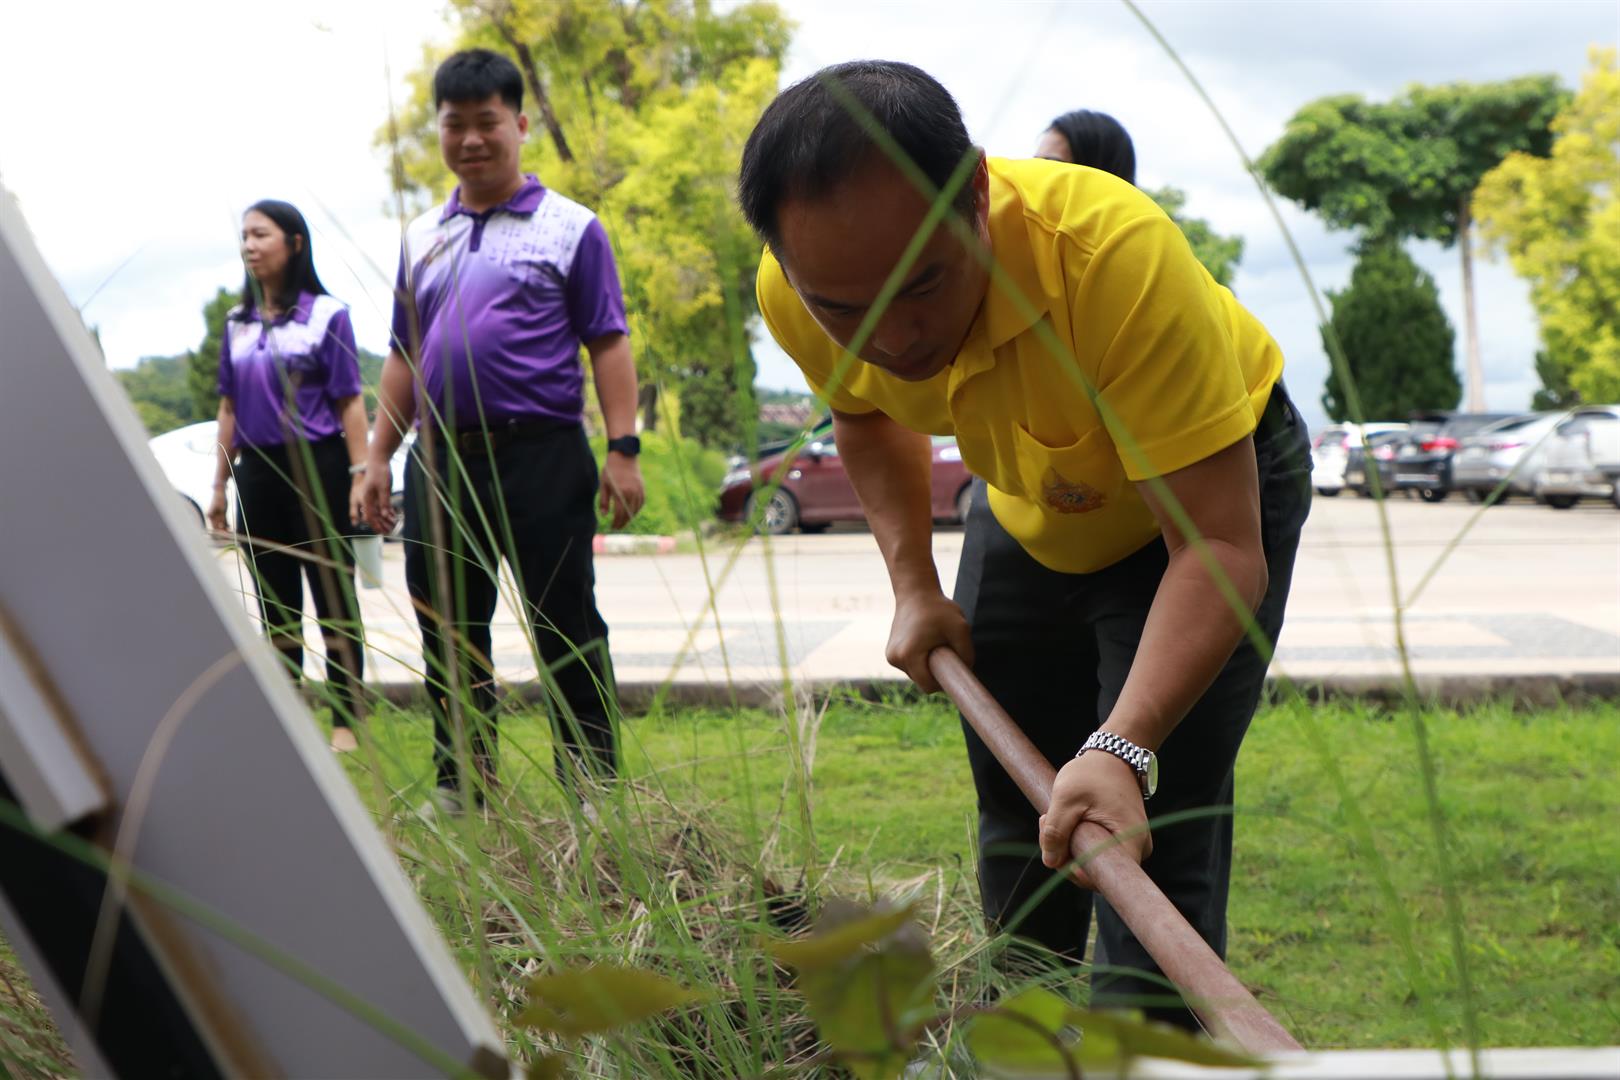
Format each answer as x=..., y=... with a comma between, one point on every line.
x=628, y=445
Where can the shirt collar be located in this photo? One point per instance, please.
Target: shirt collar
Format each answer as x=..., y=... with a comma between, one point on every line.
x=526, y=200
x=303, y=308
x=1015, y=300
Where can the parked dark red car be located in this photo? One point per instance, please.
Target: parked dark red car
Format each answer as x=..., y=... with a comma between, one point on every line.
x=816, y=491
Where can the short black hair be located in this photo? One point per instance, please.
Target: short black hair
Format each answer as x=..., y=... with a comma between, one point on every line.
x=1098, y=140
x=300, y=276
x=808, y=141
x=473, y=75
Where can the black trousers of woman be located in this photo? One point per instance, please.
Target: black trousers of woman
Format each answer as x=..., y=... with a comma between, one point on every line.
x=1054, y=649
x=297, y=499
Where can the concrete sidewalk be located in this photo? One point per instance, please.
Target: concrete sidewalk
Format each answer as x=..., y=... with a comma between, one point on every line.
x=1527, y=594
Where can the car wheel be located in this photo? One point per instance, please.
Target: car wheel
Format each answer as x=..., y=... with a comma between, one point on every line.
x=964, y=502
x=777, y=515
x=1560, y=502
x=1433, y=495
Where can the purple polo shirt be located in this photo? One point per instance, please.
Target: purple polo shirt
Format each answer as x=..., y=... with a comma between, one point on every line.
x=503, y=301
x=285, y=377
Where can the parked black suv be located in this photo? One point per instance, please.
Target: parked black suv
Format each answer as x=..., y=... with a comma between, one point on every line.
x=1422, y=459
x=1358, y=465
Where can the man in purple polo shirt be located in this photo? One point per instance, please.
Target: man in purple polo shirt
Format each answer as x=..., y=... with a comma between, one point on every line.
x=497, y=291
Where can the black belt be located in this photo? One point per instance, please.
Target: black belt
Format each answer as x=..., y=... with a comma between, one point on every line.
x=476, y=441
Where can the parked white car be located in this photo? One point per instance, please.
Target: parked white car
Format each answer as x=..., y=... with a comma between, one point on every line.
x=1511, y=450
x=189, y=456
x=1331, y=449
x=1582, y=458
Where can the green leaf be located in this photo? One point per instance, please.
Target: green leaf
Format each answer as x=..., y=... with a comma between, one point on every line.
x=840, y=935
x=1030, y=1034
x=868, y=983
x=548, y=1067
x=598, y=999
x=1111, y=1036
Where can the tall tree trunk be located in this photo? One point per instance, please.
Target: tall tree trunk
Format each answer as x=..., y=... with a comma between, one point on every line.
x=649, y=407
x=531, y=75
x=1476, y=368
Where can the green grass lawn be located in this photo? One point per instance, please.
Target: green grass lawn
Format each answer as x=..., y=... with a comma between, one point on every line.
x=1338, y=918
x=1531, y=804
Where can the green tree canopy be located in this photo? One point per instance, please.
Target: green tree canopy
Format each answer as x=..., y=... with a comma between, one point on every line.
x=202, y=363
x=642, y=111
x=157, y=387
x=1397, y=341
x=1219, y=254
x=1407, y=168
x=1558, y=219
x=1555, y=391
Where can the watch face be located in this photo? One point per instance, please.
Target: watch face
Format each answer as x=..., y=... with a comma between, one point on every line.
x=1152, y=775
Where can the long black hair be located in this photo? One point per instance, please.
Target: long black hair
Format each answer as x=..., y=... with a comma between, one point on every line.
x=1098, y=140
x=299, y=277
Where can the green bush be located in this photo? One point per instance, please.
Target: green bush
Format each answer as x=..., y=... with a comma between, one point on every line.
x=682, y=480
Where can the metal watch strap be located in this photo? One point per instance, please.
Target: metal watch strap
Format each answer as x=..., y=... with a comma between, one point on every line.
x=1128, y=752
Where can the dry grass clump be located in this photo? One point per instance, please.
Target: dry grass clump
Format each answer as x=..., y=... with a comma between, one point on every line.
x=30, y=1045
x=529, y=888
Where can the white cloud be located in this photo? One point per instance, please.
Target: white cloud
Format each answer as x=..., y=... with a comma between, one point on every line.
x=155, y=149
x=149, y=137
x=1013, y=67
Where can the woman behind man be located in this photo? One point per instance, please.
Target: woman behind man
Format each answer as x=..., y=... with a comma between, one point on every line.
x=1094, y=139
x=292, y=430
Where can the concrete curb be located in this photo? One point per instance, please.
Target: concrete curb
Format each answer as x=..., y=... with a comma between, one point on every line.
x=629, y=544
x=1524, y=691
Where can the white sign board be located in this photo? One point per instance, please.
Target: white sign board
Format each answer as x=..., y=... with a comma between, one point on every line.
x=130, y=668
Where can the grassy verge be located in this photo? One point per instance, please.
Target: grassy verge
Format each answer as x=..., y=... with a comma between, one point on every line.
x=707, y=852
x=1531, y=800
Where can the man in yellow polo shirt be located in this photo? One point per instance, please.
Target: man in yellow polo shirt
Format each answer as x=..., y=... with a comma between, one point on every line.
x=1116, y=403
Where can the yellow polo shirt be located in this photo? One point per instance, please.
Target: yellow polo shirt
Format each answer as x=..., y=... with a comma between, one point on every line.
x=1103, y=354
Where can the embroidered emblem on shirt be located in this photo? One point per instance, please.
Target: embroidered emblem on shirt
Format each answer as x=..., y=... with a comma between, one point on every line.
x=1070, y=496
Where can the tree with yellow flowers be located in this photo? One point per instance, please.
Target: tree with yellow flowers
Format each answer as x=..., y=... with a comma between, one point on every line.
x=640, y=112
x=1558, y=219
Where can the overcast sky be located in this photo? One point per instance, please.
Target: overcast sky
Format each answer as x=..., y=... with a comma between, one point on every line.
x=132, y=162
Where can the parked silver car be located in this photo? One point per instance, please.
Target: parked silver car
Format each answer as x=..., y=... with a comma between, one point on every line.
x=1330, y=451
x=1582, y=458
x=1509, y=450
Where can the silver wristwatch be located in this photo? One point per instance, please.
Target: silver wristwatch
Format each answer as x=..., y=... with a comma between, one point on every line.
x=1145, y=762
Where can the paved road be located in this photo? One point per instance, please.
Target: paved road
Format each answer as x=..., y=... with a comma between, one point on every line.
x=1526, y=590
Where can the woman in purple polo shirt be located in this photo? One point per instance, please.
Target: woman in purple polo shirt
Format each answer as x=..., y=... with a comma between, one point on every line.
x=292, y=431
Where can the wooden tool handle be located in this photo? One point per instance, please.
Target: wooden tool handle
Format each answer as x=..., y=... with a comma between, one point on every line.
x=1224, y=1005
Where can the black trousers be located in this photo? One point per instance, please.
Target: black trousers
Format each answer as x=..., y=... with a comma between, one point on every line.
x=533, y=503
x=1054, y=649
x=297, y=498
